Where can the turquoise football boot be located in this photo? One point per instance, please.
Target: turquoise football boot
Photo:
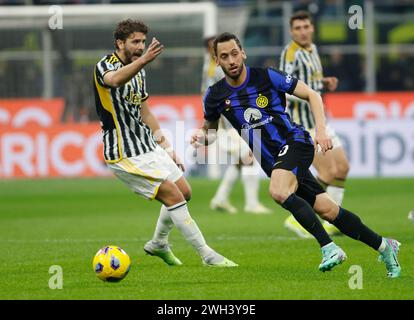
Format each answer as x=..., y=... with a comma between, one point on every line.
x=332, y=255
x=389, y=257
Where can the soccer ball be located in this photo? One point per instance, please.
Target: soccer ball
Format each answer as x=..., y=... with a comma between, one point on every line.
x=111, y=263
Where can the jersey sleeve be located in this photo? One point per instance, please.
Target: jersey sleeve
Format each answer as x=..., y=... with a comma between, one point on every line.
x=143, y=86
x=102, y=68
x=282, y=81
x=210, y=107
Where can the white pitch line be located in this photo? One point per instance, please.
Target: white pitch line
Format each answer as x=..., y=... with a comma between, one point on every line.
x=220, y=238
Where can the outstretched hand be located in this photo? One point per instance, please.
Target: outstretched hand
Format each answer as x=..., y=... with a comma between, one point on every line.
x=198, y=139
x=323, y=140
x=154, y=50
x=331, y=83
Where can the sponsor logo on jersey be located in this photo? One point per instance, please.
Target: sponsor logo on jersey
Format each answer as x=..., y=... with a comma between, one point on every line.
x=252, y=115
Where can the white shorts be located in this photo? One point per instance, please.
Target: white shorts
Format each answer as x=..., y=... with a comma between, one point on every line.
x=145, y=173
x=230, y=141
x=331, y=133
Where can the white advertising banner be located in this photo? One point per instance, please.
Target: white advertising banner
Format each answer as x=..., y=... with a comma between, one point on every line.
x=381, y=147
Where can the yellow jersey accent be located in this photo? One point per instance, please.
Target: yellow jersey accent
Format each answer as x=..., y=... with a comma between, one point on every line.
x=107, y=104
x=262, y=101
x=125, y=134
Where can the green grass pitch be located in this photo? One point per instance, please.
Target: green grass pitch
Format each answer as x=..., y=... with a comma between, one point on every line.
x=65, y=221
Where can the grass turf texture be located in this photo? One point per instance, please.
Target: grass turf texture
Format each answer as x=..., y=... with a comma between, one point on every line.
x=64, y=222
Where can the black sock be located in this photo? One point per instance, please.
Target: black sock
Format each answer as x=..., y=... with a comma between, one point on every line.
x=352, y=226
x=307, y=218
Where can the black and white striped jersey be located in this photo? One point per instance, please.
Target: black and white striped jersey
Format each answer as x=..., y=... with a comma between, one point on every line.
x=125, y=135
x=211, y=73
x=306, y=66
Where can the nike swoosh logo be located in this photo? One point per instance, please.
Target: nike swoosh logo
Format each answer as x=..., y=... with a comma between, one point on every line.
x=395, y=259
x=278, y=163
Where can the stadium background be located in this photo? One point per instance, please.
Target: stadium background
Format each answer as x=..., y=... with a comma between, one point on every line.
x=46, y=75
x=49, y=129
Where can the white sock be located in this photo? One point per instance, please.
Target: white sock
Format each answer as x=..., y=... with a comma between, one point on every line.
x=164, y=226
x=187, y=226
x=383, y=245
x=251, y=184
x=336, y=193
x=328, y=245
x=226, y=185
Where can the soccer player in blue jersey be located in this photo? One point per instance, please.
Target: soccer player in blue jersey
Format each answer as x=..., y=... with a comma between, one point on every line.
x=253, y=101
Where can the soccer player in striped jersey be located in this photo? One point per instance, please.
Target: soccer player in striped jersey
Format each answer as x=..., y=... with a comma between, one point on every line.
x=253, y=101
x=242, y=160
x=134, y=147
x=300, y=59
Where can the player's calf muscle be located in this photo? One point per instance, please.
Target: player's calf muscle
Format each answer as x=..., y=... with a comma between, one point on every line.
x=184, y=188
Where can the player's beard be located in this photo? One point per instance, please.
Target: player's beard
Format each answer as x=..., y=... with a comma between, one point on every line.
x=132, y=56
x=235, y=75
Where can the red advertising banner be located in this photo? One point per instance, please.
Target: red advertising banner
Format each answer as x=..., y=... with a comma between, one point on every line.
x=384, y=105
x=33, y=142
x=59, y=150
x=20, y=113
x=172, y=108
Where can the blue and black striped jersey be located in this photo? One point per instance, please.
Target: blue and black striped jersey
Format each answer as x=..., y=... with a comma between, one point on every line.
x=256, y=109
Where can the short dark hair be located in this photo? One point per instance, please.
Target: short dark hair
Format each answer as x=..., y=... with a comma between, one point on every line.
x=300, y=15
x=127, y=27
x=224, y=37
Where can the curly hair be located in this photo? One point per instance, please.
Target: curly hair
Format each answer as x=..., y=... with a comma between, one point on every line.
x=127, y=27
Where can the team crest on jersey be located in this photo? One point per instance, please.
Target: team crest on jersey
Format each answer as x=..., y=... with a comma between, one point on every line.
x=262, y=101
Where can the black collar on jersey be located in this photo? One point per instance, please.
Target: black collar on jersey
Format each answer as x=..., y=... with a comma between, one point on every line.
x=120, y=60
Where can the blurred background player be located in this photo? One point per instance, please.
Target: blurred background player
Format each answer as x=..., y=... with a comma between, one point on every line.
x=411, y=215
x=241, y=158
x=136, y=150
x=300, y=58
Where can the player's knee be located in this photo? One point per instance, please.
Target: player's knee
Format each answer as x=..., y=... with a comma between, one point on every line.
x=325, y=207
x=278, y=195
x=187, y=195
x=169, y=194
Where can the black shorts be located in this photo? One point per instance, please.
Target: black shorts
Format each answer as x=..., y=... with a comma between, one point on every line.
x=298, y=157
